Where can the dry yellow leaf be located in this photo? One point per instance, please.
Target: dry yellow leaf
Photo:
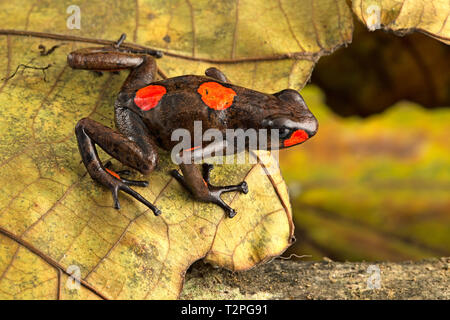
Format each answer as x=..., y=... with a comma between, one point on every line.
x=56, y=223
x=430, y=17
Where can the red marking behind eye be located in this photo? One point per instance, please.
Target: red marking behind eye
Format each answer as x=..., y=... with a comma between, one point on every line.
x=148, y=97
x=216, y=96
x=297, y=137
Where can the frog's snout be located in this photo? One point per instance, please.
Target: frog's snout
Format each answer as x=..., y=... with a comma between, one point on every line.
x=299, y=125
x=310, y=126
x=292, y=132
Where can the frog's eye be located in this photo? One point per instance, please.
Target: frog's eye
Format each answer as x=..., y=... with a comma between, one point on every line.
x=284, y=133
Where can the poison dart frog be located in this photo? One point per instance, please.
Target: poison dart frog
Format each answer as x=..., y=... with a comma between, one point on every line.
x=148, y=111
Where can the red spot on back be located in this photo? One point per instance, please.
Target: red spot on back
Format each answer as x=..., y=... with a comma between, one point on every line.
x=148, y=97
x=297, y=137
x=216, y=96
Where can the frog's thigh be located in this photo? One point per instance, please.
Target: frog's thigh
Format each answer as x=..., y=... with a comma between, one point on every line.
x=103, y=59
x=130, y=125
x=193, y=181
x=143, y=66
x=140, y=153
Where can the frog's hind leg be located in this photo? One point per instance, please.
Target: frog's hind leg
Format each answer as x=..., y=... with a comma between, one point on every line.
x=99, y=59
x=199, y=186
x=139, y=153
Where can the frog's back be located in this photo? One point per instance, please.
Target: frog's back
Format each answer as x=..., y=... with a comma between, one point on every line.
x=178, y=94
x=192, y=92
x=177, y=102
x=184, y=83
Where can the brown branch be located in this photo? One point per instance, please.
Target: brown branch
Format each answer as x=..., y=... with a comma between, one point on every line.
x=311, y=56
x=194, y=37
x=136, y=18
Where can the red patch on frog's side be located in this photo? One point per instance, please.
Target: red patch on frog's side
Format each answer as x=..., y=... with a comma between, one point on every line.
x=297, y=137
x=148, y=97
x=216, y=96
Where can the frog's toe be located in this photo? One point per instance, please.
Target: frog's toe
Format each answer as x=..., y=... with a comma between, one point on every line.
x=124, y=172
x=136, y=183
x=244, y=187
x=115, y=192
x=231, y=213
x=118, y=175
x=228, y=210
x=122, y=186
x=140, y=198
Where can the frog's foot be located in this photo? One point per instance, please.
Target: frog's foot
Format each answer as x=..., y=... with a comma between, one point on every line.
x=241, y=187
x=216, y=191
x=119, y=175
x=212, y=193
x=90, y=133
x=123, y=185
x=120, y=183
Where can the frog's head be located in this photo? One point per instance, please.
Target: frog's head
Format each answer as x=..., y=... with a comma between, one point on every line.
x=292, y=118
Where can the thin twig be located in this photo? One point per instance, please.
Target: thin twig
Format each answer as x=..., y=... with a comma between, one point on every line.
x=135, y=48
x=45, y=52
x=29, y=67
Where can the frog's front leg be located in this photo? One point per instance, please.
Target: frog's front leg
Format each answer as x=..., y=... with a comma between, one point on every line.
x=139, y=153
x=200, y=187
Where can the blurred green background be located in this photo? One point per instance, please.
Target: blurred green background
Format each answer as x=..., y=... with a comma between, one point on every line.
x=374, y=188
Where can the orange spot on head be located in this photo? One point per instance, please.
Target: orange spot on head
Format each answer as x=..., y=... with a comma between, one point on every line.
x=297, y=137
x=149, y=96
x=216, y=96
x=113, y=173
